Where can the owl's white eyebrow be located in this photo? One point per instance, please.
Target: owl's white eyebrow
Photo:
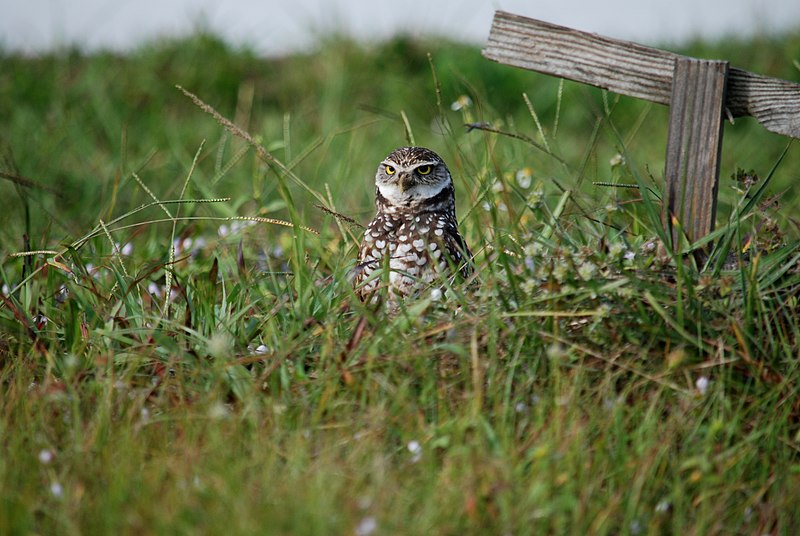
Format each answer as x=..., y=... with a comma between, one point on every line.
x=414, y=166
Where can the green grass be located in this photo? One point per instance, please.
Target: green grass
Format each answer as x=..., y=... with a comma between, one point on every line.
x=170, y=366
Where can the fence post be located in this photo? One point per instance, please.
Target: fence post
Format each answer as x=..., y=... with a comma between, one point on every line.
x=693, y=146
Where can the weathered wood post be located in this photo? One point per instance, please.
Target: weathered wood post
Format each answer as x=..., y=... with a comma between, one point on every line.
x=700, y=94
x=694, y=144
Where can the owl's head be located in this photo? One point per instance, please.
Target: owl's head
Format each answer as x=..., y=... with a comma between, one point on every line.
x=410, y=177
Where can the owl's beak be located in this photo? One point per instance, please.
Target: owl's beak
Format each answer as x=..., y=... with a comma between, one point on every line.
x=406, y=182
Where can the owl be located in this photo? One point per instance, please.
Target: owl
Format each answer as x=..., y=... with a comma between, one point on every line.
x=415, y=232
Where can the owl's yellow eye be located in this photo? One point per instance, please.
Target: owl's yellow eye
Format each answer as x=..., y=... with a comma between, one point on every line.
x=424, y=170
x=389, y=170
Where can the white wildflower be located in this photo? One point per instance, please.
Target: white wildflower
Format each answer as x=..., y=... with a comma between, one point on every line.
x=524, y=177
x=154, y=289
x=533, y=249
x=56, y=489
x=45, y=456
x=218, y=411
x=366, y=526
x=587, y=270
x=702, y=384
x=615, y=249
x=560, y=271
x=415, y=449
x=460, y=103
x=662, y=506
x=535, y=197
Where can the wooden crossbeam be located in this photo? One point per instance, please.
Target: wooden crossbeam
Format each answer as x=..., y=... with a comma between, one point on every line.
x=631, y=69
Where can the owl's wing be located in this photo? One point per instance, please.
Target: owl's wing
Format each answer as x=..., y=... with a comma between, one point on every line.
x=457, y=249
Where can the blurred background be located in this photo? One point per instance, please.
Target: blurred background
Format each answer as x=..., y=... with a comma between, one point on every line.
x=274, y=28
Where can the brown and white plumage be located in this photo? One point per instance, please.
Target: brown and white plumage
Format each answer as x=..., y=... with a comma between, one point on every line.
x=415, y=231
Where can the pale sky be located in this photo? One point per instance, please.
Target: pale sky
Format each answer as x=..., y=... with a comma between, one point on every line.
x=274, y=27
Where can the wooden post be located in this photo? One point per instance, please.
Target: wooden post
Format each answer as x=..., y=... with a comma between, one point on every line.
x=694, y=145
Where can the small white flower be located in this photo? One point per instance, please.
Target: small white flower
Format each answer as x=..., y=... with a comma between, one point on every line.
x=461, y=102
x=56, y=489
x=556, y=351
x=616, y=160
x=702, y=384
x=144, y=414
x=629, y=255
x=436, y=294
x=45, y=456
x=127, y=249
x=560, y=271
x=223, y=231
x=218, y=411
x=649, y=246
x=616, y=248
x=154, y=289
x=535, y=197
x=533, y=249
x=662, y=506
x=416, y=450
x=530, y=264
x=520, y=407
x=529, y=286
x=261, y=349
x=586, y=270
x=6, y=290
x=525, y=177
x=366, y=526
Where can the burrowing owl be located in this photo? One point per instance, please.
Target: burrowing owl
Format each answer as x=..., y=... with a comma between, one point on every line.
x=415, y=232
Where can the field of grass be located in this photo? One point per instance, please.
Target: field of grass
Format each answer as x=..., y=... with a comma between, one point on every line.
x=181, y=351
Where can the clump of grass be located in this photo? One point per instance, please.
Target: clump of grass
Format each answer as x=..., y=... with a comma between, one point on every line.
x=197, y=360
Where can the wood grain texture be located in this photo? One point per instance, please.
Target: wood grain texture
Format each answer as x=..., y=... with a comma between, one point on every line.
x=632, y=69
x=694, y=144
